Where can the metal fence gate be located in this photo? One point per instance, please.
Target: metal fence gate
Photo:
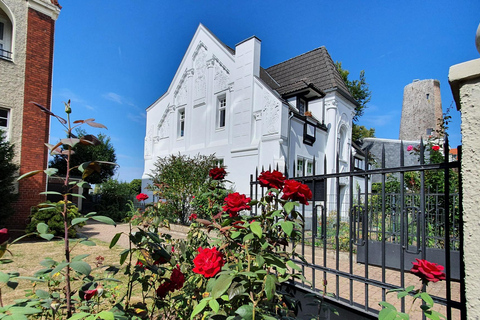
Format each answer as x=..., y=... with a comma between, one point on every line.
x=360, y=237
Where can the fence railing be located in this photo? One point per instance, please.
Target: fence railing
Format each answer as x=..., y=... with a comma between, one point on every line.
x=361, y=241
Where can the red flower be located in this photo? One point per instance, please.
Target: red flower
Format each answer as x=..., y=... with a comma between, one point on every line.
x=234, y=203
x=177, y=278
x=89, y=294
x=410, y=148
x=208, y=262
x=142, y=197
x=4, y=236
x=428, y=271
x=193, y=216
x=217, y=173
x=274, y=179
x=436, y=148
x=163, y=289
x=296, y=191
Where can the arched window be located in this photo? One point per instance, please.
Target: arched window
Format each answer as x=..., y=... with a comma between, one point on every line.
x=342, y=141
x=6, y=29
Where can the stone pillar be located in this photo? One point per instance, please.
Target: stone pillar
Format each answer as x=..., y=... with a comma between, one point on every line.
x=464, y=80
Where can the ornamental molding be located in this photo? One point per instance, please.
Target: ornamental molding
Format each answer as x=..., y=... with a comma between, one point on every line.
x=182, y=80
x=164, y=123
x=214, y=58
x=331, y=104
x=197, y=49
x=49, y=9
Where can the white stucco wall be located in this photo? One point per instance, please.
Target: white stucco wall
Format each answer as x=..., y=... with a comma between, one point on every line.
x=12, y=73
x=465, y=82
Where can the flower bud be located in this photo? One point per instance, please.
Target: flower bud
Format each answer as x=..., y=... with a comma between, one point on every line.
x=68, y=110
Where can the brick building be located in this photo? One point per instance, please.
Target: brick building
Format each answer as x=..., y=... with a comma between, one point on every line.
x=26, y=61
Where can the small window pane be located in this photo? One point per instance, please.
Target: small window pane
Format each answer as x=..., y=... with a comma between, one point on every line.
x=3, y=113
x=1, y=30
x=3, y=122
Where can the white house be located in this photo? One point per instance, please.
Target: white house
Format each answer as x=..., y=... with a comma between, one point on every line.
x=222, y=102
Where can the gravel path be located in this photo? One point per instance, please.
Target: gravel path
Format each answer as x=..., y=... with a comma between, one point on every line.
x=105, y=232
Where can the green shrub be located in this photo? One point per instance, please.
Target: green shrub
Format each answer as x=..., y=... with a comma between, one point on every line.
x=114, y=196
x=54, y=219
x=7, y=178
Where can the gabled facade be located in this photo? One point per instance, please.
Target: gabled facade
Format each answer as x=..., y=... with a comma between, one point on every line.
x=222, y=102
x=26, y=61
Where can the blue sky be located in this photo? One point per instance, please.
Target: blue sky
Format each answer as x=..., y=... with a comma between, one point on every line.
x=115, y=58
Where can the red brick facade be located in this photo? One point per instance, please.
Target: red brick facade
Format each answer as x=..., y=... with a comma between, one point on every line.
x=36, y=124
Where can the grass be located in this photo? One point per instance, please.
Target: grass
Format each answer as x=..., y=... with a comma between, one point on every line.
x=27, y=256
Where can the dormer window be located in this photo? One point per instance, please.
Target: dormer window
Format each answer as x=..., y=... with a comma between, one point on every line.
x=5, y=36
x=302, y=106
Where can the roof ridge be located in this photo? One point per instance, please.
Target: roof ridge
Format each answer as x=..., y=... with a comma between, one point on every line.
x=322, y=47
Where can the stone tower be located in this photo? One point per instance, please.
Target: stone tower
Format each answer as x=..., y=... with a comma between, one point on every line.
x=421, y=110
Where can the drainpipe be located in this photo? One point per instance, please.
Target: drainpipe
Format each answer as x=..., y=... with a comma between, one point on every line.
x=287, y=158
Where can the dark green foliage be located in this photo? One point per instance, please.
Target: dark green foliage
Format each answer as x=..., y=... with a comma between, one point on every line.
x=113, y=197
x=136, y=186
x=85, y=153
x=358, y=89
x=54, y=219
x=360, y=132
x=208, y=203
x=7, y=178
x=178, y=178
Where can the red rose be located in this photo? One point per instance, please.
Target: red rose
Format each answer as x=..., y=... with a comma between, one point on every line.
x=177, y=278
x=208, y=262
x=192, y=216
x=235, y=202
x=296, y=191
x=428, y=271
x=217, y=173
x=163, y=289
x=142, y=197
x=4, y=236
x=436, y=148
x=274, y=179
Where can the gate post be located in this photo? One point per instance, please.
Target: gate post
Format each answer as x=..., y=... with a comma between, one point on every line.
x=464, y=79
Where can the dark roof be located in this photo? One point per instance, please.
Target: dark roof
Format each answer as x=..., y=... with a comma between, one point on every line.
x=315, y=67
x=55, y=2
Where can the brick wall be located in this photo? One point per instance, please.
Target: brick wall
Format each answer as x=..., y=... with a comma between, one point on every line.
x=36, y=124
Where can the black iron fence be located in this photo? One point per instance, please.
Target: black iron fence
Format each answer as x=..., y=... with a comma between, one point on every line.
x=360, y=237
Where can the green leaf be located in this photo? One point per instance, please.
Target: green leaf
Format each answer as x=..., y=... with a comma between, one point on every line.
x=80, y=257
x=293, y=265
x=260, y=260
x=42, y=294
x=105, y=220
x=51, y=192
x=114, y=240
x=42, y=227
x=81, y=267
x=289, y=206
x=213, y=304
x=256, y=229
x=59, y=267
x=47, y=236
x=31, y=279
x=89, y=243
x=24, y=310
x=221, y=285
x=70, y=141
x=402, y=294
x=246, y=312
x=83, y=166
x=83, y=184
x=28, y=174
x=106, y=315
x=426, y=297
x=79, y=315
x=50, y=171
x=123, y=256
x=270, y=285
x=78, y=220
x=235, y=234
x=199, y=308
x=387, y=314
x=4, y=277
x=77, y=195
x=287, y=227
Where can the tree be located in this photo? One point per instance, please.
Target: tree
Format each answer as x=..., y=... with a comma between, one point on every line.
x=7, y=178
x=360, y=132
x=103, y=150
x=178, y=178
x=359, y=91
x=136, y=186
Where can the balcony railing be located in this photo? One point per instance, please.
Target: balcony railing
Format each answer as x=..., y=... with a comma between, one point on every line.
x=5, y=54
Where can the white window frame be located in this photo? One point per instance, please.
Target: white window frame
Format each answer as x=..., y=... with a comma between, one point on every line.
x=181, y=123
x=221, y=112
x=6, y=39
x=309, y=167
x=220, y=163
x=5, y=129
x=300, y=167
x=304, y=167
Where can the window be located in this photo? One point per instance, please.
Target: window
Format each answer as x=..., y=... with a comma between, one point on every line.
x=181, y=123
x=221, y=112
x=302, y=106
x=4, y=121
x=309, y=168
x=219, y=163
x=299, y=171
x=342, y=141
x=5, y=36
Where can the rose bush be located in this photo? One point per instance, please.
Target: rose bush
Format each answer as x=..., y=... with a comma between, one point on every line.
x=271, y=179
x=142, y=197
x=236, y=202
x=208, y=262
x=296, y=191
